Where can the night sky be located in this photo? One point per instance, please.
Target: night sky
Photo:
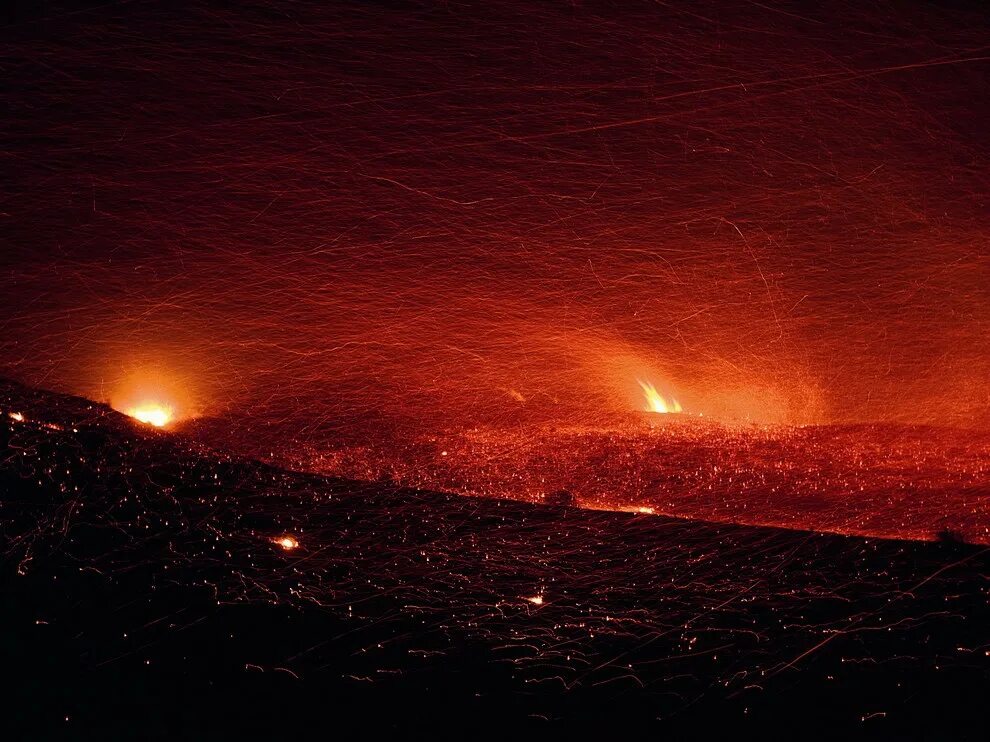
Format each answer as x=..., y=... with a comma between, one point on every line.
x=774, y=212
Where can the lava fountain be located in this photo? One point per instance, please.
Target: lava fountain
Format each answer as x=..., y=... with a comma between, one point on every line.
x=656, y=402
x=154, y=397
x=152, y=413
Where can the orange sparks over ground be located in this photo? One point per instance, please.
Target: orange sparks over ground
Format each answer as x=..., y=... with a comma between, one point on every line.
x=689, y=221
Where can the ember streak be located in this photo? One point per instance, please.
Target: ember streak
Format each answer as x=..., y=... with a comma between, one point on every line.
x=355, y=275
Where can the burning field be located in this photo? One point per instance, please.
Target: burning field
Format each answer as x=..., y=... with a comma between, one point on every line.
x=435, y=367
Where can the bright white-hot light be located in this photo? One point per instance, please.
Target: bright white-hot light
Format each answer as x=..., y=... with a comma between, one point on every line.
x=656, y=402
x=152, y=413
x=16, y=417
x=287, y=542
x=535, y=600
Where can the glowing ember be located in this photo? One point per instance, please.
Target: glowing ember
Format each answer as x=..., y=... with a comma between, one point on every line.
x=656, y=402
x=152, y=413
x=535, y=600
x=17, y=417
x=287, y=542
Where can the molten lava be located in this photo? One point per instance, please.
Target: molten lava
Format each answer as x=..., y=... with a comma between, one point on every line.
x=656, y=402
x=152, y=413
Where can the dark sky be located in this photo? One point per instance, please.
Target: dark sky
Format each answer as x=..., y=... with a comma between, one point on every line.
x=773, y=210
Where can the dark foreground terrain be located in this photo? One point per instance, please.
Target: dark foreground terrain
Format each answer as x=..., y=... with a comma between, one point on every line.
x=146, y=596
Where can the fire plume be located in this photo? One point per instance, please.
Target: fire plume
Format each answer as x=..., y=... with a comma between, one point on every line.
x=656, y=402
x=152, y=413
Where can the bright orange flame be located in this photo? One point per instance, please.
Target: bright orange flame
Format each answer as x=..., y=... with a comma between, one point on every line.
x=16, y=417
x=153, y=397
x=535, y=600
x=287, y=542
x=152, y=413
x=656, y=402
